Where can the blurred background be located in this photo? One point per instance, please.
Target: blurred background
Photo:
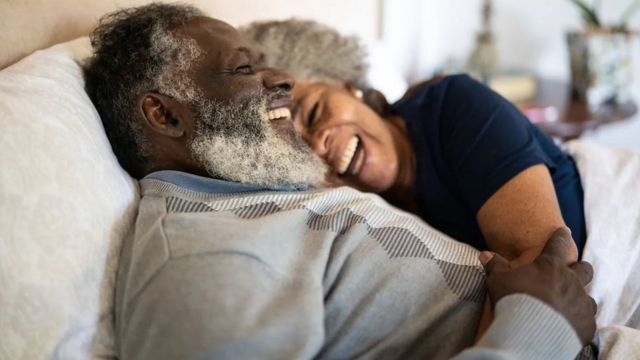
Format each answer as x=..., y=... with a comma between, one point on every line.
x=519, y=47
x=413, y=40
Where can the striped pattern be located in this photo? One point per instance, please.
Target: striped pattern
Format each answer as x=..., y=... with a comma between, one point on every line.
x=589, y=352
x=466, y=281
x=338, y=222
x=378, y=213
x=178, y=205
x=257, y=210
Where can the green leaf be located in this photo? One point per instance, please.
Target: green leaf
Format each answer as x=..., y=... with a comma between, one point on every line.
x=628, y=14
x=588, y=13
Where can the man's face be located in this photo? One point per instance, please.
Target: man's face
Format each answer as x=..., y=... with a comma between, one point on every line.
x=230, y=69
x=242, y=129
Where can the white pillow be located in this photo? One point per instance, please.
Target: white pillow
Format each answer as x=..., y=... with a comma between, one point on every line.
x=65, y=204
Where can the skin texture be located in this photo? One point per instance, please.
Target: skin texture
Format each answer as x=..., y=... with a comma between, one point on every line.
x=229, y=71
x=522, y=211
x=548, y=279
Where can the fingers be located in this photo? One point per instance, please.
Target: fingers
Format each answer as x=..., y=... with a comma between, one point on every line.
x=492, y=262
x=584, y=271
x=594, y=305
x=558, y=244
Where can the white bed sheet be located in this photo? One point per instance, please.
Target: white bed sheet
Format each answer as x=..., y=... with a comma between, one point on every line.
x=611, y=181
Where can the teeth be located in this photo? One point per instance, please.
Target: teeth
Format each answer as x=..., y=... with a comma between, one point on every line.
x=279, y=113
x=347, y=156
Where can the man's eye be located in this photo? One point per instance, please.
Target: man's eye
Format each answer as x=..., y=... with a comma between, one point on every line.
x=244, y=69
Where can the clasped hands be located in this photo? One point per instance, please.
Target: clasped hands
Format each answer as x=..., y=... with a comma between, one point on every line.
x=549, y=279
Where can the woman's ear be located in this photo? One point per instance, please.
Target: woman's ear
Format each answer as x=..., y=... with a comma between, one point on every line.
x=163, y=114
x=354, y=90
x=373, y=98
x=358, y=93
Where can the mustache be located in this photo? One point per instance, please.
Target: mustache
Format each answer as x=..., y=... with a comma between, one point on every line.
x=265, y=96
x=277, y=94
x=239, y=118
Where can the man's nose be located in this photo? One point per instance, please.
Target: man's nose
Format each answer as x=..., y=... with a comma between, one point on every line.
x=278, y=79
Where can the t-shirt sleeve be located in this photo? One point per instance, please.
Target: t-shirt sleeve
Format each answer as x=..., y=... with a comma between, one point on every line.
x=485, y=140
x=221, y=306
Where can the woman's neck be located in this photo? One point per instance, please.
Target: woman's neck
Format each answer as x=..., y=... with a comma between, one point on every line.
x=402, y=192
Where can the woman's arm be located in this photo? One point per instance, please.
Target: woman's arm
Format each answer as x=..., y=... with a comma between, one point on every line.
x=495, y=161
x=518, y=219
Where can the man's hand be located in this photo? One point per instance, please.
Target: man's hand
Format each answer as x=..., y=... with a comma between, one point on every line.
x=548, y=279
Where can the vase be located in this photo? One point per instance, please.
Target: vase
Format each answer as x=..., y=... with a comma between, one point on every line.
x=601, y=66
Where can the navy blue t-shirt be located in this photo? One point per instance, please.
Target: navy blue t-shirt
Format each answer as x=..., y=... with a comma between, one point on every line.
x=469, y=141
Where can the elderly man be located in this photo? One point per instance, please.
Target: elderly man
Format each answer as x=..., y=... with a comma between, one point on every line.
x=236, y=254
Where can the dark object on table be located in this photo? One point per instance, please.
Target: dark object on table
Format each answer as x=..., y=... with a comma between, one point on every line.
x=571, y=117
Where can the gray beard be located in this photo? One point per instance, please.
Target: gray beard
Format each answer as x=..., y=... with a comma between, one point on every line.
x=236, y=143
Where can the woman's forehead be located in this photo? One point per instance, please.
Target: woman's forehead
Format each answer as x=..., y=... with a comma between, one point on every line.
x=305, y=87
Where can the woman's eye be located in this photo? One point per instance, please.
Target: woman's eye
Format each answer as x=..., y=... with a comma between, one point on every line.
x=312, y=114
x=244, y=69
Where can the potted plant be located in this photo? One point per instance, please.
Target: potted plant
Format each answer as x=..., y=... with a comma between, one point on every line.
x=600, y=56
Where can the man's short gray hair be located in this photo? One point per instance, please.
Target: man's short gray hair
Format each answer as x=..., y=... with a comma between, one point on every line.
x=310, y=50
x=136, y=50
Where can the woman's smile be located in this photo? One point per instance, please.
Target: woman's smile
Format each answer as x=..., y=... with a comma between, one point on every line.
x=356, y=143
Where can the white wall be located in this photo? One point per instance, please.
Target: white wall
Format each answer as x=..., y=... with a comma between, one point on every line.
x=419, y=35
x=348, y=16
x=28, y=25
x=530, y=34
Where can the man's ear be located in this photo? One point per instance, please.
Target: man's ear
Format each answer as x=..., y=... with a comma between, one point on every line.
x=163, y=114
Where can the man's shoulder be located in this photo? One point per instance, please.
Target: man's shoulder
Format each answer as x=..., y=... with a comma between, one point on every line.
x=265, y=205
x=277, y=218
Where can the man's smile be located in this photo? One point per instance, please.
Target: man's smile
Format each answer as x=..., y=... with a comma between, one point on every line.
x=279, y=109
x=281, y=113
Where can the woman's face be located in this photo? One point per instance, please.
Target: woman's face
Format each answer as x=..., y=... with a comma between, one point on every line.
x=354, y=141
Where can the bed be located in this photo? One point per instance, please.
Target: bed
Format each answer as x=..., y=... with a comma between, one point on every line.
x=65, y=203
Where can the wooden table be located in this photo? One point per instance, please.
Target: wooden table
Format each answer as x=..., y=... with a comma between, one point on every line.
x=565, y=118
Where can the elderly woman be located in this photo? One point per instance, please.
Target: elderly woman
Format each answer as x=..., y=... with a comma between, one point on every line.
x=451, y=151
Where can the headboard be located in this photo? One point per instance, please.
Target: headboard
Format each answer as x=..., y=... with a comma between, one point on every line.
x=29, y=25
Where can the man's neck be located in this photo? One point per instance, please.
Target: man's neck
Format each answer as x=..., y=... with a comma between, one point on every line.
x=210, y=185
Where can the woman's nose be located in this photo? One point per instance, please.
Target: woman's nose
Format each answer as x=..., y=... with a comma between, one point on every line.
x=278, y=79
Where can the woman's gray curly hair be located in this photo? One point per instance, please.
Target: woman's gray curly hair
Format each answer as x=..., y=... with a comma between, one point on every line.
x=310, y=50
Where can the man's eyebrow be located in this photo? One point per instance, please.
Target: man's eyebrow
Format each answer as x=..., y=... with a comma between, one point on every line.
x=244, y=49
x=239, y=50
x=251, y=54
